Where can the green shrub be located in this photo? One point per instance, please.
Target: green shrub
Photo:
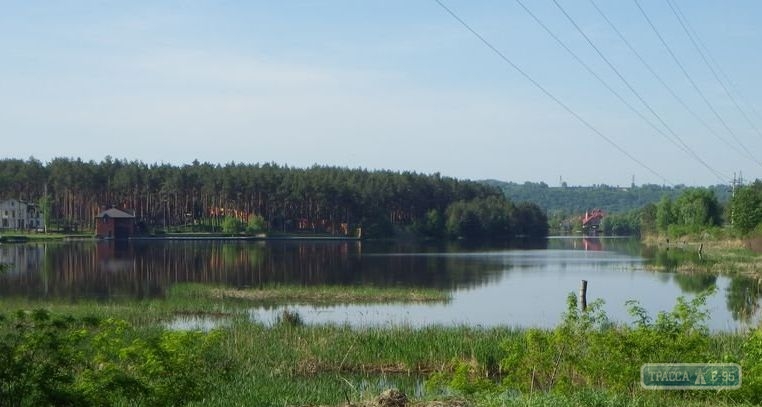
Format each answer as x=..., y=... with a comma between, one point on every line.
x=47, y=359
x=751, y=367
x=586, y=349
x=231, y=225
x=466, y=377
x=255, y=225
x=38, y=359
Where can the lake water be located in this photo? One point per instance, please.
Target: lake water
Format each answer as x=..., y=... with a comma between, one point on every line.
x=516, y=285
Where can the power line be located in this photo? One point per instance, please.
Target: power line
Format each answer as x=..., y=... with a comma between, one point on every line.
x=733, y=87
x=636, y=93
x=694, y=85
x=547, y=92
x=694, y=38
x=679, y=143
x=662, y=81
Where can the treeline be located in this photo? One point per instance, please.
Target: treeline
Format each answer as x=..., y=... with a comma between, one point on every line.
x=632, y=210
x=694, y=210
x=746, y=208
x=575, y=200
x=201, y=196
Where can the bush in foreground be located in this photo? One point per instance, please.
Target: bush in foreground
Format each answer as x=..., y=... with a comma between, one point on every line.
x=587, y=352
x=47, y=359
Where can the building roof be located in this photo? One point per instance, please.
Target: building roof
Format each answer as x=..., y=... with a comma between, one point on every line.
x=5, y=201
x=115, y=213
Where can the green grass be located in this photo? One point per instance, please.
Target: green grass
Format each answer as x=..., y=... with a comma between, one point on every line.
x=590, y=397
x=713, y=260
x=721, y=253
x=309, y=365
x=331, y=365
x=141, y=313
x=304, y=364
x=328, y=365
x=314, y=295
x=194, y=299
x=19, y=236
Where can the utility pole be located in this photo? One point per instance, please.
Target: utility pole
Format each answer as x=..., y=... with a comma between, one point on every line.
x=733, y=195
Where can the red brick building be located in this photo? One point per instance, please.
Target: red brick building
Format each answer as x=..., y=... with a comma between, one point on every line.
x=114, y=224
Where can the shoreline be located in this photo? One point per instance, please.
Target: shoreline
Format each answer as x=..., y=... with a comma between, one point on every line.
x=21, y=238
x=240, y=238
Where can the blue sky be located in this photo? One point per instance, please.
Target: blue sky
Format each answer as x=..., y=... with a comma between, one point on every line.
x=395, y=85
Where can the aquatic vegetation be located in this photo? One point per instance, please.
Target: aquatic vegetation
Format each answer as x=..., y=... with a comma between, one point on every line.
x=587, y=354
x=290, y=318
x=70, y=356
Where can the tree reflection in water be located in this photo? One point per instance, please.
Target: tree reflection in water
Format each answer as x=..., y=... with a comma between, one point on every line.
x=743, y=296
x=146, y=269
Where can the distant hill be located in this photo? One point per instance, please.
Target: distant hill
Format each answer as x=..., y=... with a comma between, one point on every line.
x=578, y=199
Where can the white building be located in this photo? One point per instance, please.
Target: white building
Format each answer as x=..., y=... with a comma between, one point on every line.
x=15, y=214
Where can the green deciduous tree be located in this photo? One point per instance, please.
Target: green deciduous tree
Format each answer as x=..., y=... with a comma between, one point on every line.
x=746, y=207
x=231, y=225
x=697, y=208
x=432, y=224
x=623, y=224
x=255, y=225
x=694, y=210
x=495, y=217
x=664, y=214
x=648, y=219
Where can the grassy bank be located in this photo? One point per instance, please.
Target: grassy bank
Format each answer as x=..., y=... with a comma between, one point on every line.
x=321, y=295
x=713, y=252
x=118, y=350
x=192, y=299
x=21, y=237
x=253, y=364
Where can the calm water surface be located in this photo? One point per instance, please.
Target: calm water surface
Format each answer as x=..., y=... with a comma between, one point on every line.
x=516, y=285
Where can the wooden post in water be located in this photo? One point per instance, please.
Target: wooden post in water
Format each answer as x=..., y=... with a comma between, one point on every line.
x=583, y=296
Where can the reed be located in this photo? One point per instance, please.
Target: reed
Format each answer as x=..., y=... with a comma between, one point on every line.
x=194, y=299
x=306, y=364
x=317, y=295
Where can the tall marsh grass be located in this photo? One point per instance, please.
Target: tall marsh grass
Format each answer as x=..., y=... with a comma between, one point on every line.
x=586, y=360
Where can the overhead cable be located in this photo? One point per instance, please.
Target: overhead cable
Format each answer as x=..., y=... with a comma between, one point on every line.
x=677, y=141
x=722, y=121
x=663, y=82
x=547, y=93
x=694, y=39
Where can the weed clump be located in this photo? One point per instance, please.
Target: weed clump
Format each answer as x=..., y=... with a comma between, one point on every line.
x=391, y=398
x=288, y=317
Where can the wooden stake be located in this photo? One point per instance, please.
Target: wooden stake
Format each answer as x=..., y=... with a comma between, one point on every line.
x=583, y=296
x=701, y=251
